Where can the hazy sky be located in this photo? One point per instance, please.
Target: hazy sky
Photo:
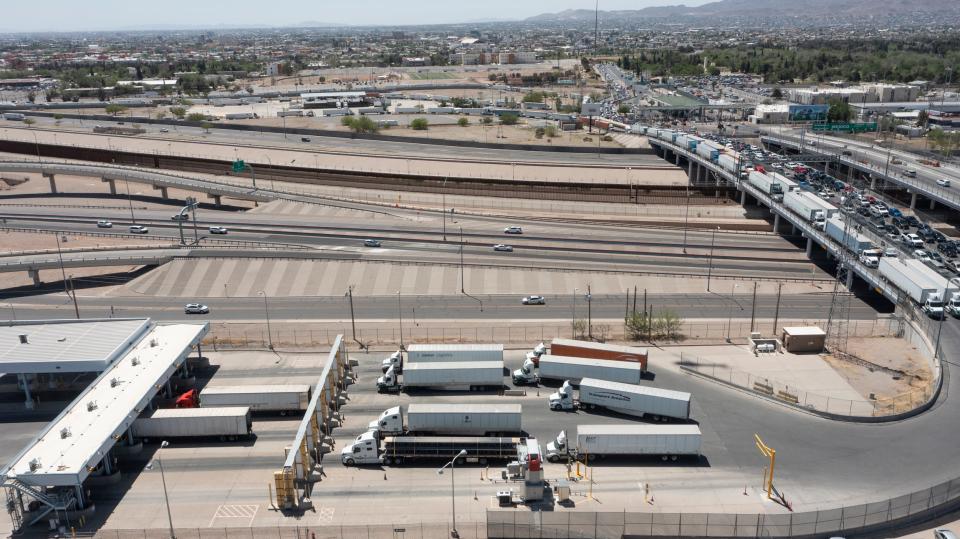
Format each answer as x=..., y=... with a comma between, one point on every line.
x=67, y=15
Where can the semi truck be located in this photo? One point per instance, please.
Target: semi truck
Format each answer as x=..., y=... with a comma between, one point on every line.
x=368, y=449
x=280, y=398
x=449, y=419
x=226, y=423
x=845, y=235
x=452, y=375
x=597, y=350
x=629, y=399
x=806, y=206
x=766, y=184
x=915, y=279
x=574, y=369
x=668, y=442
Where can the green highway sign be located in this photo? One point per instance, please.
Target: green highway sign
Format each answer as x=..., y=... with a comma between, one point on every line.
x=239, y=166
x=846, y=127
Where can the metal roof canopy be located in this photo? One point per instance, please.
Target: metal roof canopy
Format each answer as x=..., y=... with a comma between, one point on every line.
x=67, y=345
x=71, y=445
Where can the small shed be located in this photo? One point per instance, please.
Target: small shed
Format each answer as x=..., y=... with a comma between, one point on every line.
x=810, y=339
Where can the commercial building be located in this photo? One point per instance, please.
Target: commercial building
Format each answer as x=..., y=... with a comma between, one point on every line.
x=517, y=57
x=330, y=100
x=771, y=114
x=415, y=61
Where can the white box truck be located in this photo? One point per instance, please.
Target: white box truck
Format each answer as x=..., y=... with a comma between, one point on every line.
x=226, y=423
x=668, y=442
x=629, y=399
x=766, y=184
x=576, y=368
x=846, y=236
x=453, y=375
x=806, y=205
x=919, y=282
x=280, y=398
x=417, y=353
x=450, y=419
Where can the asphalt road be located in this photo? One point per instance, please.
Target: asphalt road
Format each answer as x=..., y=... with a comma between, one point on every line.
x=691, y=306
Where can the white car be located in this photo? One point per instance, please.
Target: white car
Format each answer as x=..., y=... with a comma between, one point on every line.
x=103, y=223
x=164, y=130
x=371, y=243
x=943, y=182
x=218, y=230
x=921, y=255
x=513, y=230
x=944, y=533
x=138, y=229
x=196, y=308
x=534, y=300
x=503, y=247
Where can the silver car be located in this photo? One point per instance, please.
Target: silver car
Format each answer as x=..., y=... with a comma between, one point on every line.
x=534, y=300
x=196, y=308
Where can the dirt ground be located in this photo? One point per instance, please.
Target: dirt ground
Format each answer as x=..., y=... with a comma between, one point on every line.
x=891, y=353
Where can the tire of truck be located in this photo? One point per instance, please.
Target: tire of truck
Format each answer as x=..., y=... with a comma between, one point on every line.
x=553, y=458
x=348, y=461
x=482, y=461
x=591, y=406
x=554, y=407
x=591, y=458
x=664, y=458
x=673, y=458
x=283, y=412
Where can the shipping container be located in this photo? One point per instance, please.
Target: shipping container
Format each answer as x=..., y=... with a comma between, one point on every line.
x=596, y=350
x=574, y=369
x=433, y=353
x=259, y=398
x=223, y=422
x=471, y=375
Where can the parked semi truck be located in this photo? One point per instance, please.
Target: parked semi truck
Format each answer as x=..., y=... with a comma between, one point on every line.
x=629, y=399
x=449, y=419
x=806, y=206
x=280, y=398
x=766, y=184
x=598, y=350
x=846, y=235
x=575, y=369
x=368, y=449
x=227, y=423
x=921, y=283
x=453, y=375
x=668, y=442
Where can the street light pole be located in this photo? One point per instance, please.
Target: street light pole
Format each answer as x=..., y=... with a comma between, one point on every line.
x=266, y=314
x=400, y=316
x=730, y=317
x=713, y=239
x=444, y=209
x=63, y=274
x=453, y=492
x=166, y=497
x=573, y=323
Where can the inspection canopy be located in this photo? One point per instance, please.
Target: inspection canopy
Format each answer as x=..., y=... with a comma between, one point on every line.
x=71, y=446
x=50, y=346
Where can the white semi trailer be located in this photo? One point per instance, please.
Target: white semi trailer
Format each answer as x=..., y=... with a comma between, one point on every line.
x=226, y=423
x=282, y=398
x=575, y=369
x=453, y=375
x=668, y=442
x=629, y=399
x=450, y=419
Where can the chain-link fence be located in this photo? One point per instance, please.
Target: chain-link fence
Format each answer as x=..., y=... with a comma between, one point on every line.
x=306, y=335
x=923, y=505
x=466, y=530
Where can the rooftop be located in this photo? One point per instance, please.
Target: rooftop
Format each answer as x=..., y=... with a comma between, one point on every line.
x=66, y=345
x=71, y=445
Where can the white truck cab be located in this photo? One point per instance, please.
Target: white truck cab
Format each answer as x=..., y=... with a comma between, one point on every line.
x=933, y=307
x=390, y=422
x=557, y=449
x=538, y=351
x=389, y=381
x=526, y=374
x=365, y=449
x=563, y=398
x=395, y=360
x=953, y=307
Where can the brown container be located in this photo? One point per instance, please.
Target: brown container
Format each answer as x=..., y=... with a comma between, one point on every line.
x=595, y=350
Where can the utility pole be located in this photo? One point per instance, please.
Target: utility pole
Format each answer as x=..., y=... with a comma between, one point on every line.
x=400, y=316
x=753, y=307
x=589, y=313
x=444, y=209
x=353, y=320
x=776, y=315
x=63, y=274
x=713, y=239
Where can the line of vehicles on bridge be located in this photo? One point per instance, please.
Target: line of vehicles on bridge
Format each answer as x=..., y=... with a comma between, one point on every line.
x=926, y=276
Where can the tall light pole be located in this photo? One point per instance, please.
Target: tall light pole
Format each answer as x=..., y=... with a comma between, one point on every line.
x=63, y=273
x=730, y=317
x=713, y=239
x=444, y=195
x=453, y=492
x=400, y=316
x=266, y=314
x=163, y=479
x=573, y=322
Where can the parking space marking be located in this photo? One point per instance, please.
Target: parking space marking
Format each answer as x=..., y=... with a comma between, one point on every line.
x=235, y=511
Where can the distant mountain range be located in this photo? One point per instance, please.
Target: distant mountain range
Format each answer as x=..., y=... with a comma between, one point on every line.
x=812, y=9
